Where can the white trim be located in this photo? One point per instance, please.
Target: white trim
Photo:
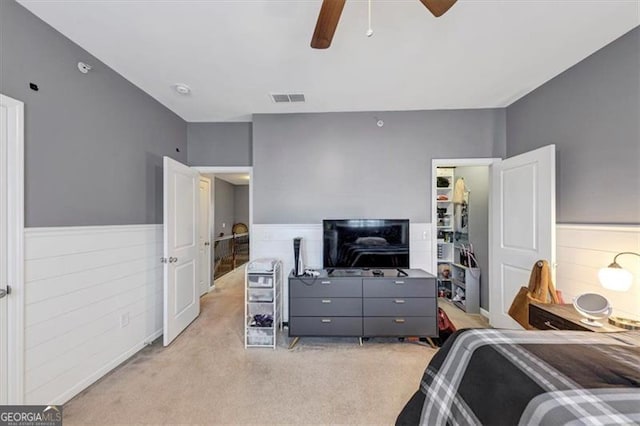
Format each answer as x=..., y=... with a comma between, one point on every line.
x=15, y=270
x=67, y=395
x=232, y=169
x=598, y=227
x=484, y=313
x=66, y=230
x=209, y=231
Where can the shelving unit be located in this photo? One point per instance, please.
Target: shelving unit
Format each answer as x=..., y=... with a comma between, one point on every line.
x=444, y=209
x=262, y=303
x=465, y=286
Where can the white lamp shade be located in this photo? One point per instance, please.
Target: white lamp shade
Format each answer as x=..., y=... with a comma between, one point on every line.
x=617, y=279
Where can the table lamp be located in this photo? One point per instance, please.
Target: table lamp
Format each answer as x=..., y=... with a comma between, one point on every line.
x=615, y=277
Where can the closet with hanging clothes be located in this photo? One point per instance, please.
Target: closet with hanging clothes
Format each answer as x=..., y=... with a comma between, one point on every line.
x=464, y=245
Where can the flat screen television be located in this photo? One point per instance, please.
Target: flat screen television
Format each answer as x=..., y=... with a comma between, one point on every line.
x=365, y=243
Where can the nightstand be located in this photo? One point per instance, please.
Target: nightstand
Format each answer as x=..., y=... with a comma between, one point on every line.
x=563, y=317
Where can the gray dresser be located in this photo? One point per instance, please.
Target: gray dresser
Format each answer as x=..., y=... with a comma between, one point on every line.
x=344, y=304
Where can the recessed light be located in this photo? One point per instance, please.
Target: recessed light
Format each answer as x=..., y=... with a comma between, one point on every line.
x=182, y=88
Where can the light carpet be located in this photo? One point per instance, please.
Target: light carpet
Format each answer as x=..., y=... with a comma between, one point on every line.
x=206, y=376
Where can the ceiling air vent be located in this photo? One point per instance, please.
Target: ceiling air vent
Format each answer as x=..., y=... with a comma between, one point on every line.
x=296, y=97
x=279, y=98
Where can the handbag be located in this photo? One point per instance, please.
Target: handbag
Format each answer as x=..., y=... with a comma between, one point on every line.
x=445, y=327
x=539, y=290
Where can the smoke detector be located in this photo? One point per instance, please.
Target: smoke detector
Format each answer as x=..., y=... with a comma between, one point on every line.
x=84, y=68
x=182, y=89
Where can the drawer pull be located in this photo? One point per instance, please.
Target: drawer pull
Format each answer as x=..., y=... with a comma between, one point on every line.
x=399, y=320
x=398, y=282
x=548, y=324
x=398, y=301
x=325, y=282
x=326, y=300
x=326, y=320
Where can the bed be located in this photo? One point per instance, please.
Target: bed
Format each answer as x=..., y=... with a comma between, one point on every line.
x=495, y=377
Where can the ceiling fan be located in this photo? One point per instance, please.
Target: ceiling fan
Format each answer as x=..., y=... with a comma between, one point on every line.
x=332, y=9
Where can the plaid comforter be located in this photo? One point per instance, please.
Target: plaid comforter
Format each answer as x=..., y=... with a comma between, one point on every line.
x=533, y=377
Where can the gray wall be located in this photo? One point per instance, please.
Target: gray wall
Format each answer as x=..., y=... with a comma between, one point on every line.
x=592, y=113
x=241, y=204
x=93, y=143
x=313, y=166
x=477, y=181
x=219, y=144
x=224, y=207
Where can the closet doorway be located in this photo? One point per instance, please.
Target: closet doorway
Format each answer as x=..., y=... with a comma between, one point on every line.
x=521, y=226
x=461, y=229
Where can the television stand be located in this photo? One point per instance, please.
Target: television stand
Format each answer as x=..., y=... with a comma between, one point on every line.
x=362, y=305
x=344, y=272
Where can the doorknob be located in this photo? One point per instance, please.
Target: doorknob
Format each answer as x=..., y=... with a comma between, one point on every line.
x=173, y=259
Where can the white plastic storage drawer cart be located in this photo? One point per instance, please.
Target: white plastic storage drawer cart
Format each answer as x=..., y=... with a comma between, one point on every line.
x=262, y=303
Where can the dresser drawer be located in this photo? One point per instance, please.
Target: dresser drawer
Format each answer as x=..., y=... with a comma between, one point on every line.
x=399, y=287
x=326, y=306
x=325, y=326
x=393, y=306
x=543, y=320
x=325, y=287
x=400, y=326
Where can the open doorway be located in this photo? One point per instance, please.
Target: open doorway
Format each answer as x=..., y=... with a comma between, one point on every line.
x=521, y=228
x=461, y=224
x=230, y=217
x=184, y=215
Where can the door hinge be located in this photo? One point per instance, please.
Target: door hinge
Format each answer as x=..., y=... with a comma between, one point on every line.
x=163, y=260
x=8, y=289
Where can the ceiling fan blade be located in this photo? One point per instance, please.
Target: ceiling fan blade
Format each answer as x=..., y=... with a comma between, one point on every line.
x=438, y=7
x=327, y=23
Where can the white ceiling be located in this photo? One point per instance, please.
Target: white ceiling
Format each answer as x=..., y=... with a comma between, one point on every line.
x=480, y=54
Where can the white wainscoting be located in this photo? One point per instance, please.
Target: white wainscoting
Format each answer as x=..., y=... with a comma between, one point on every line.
x=276, y=241
x=583, y=249
x=81, y=286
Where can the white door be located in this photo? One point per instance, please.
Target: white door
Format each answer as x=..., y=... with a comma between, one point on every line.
x=4, y=277
x=181, y=282
x=204, y=242
x=11, y=251
x=523, y=226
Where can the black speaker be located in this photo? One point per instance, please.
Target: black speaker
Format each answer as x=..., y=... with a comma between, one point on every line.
x=298, y=264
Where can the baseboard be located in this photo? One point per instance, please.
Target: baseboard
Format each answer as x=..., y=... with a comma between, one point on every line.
x=75, y=390
x=484, y=313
